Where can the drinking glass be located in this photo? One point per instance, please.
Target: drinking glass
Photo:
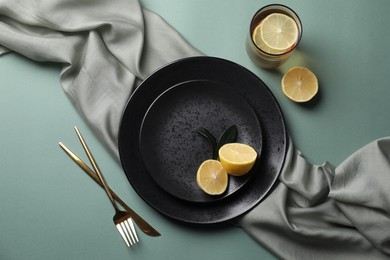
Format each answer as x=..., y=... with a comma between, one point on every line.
x=260, y=56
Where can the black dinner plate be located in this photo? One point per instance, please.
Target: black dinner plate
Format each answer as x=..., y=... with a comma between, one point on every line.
x=171, y=148
x=232, y=77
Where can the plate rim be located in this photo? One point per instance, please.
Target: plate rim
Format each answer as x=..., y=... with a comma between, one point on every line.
x=178, y=203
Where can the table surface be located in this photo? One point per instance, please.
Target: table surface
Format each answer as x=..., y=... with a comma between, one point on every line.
x=51, y=210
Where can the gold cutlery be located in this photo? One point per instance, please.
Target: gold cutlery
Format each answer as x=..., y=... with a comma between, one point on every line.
x=142, y=224
x=122, y=219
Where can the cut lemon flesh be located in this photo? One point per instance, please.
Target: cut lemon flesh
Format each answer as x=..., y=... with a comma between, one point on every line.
x=300, y=84
x=212, y=178
x=276, y=33
x=237, y=158
x=260, y=43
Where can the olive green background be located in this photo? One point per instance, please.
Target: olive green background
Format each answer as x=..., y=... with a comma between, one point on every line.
x=49, y=209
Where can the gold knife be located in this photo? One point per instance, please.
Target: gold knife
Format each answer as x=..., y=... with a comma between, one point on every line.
x=141, y=223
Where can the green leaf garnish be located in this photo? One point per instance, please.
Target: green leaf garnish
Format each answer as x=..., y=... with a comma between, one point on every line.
x=212, y=140
x=228, y=136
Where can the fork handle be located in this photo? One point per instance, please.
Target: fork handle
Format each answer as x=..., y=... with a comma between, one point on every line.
x=96, y=168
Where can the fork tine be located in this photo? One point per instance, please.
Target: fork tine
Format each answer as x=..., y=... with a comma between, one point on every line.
x=132, y=233
x=132, y=227
x=119, y=227
x=126, y=231
x=129, y=231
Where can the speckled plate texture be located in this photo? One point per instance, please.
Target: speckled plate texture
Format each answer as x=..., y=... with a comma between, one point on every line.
x=165, y=93
x=171, y=148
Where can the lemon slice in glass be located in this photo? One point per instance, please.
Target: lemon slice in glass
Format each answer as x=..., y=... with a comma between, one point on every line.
x=237, y=159
x=260, y=43
x=276, y=33
x=212, y=178
x=299, y=84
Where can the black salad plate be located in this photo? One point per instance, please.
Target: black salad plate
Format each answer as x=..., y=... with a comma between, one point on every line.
x=172, y=150
x=175, y=77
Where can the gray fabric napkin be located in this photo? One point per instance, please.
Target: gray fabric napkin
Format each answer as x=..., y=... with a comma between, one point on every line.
x=323, y=212
x=106, y=48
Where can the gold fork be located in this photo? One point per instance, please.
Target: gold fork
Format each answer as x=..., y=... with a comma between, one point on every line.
x=142, y=224
x=122, y=219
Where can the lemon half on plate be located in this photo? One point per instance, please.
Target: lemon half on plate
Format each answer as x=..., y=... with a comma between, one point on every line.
x=212, y=178
x=237, y=158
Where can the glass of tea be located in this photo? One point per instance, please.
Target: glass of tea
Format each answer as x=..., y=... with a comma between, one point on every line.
x=274, y=33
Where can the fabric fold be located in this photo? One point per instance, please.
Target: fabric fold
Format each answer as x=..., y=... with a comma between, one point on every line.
x=362, y=191
x=105, y=48
x=323, y=212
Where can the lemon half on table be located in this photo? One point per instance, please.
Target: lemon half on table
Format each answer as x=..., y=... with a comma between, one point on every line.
x=299, y=84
